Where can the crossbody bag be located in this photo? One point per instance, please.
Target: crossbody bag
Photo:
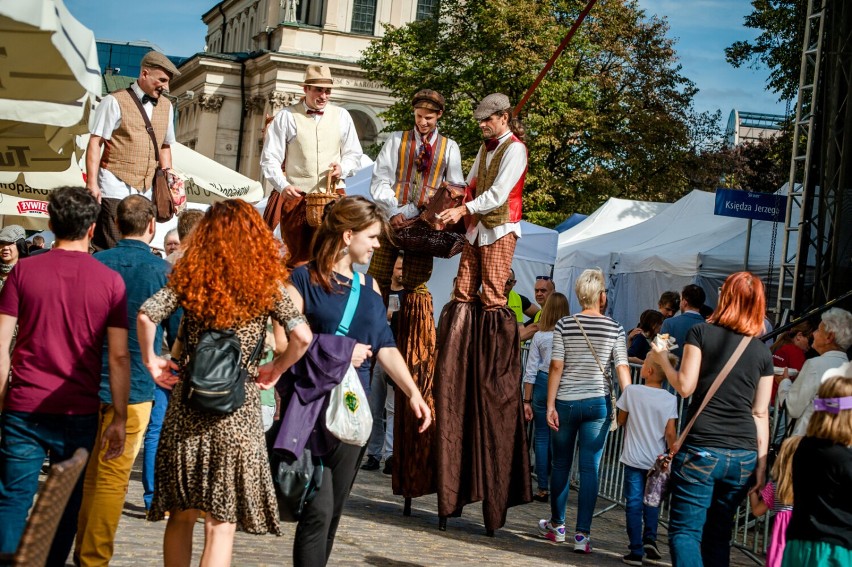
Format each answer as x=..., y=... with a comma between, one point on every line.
x=606, y=375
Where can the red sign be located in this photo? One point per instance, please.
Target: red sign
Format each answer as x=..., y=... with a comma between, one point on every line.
x=30, y=207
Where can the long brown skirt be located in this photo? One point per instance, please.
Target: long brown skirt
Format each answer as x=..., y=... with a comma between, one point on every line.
x=481, y=442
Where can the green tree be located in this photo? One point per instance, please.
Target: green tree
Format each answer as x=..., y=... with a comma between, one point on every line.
x=779, y=45
x=613, y=118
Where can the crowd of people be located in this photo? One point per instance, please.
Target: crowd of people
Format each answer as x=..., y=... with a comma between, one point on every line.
x=102, y=352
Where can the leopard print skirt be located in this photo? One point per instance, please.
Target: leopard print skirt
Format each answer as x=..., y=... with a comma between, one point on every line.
x=217, y=464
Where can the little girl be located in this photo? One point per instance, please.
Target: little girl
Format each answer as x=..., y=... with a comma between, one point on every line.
x=777, y=496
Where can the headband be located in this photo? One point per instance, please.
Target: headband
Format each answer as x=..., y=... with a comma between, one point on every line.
x=833, y=405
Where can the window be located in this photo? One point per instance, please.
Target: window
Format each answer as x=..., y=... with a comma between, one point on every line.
x=364, y=16
x=426, y=9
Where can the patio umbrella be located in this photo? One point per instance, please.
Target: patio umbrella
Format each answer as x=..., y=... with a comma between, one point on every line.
x=205, y=180
x=50, y=77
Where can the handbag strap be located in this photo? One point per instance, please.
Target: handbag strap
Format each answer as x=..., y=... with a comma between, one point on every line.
x=594, y=353
x=714, y=387
x=351, y=304
x=148, y=127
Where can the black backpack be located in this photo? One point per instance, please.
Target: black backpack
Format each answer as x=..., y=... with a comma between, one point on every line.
x=215, y=379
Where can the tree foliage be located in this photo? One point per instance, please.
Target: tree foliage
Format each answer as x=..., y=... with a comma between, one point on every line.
x=779, y=45
x=614, y=117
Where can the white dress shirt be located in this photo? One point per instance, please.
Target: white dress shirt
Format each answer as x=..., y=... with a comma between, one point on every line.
x=106, y=120
x=282, y=131
x=384, y=173
x=799, y=395
x=511, y=168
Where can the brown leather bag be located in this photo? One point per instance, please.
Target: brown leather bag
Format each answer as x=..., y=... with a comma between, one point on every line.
x=161, y=195
x=448, y=196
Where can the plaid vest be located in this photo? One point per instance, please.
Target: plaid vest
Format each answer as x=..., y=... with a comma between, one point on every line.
x=510, y=210
x=129, y=153
x=409, y=182
x=317, y=144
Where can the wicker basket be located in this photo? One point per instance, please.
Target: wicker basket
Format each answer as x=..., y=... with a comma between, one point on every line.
x=420, y=237
x=315, y=204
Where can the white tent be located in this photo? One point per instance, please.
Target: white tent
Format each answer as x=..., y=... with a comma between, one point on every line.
x=686, y=243
x=613, y=215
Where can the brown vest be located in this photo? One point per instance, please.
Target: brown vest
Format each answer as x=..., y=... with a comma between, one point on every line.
x=485, y=177
x=129, y=153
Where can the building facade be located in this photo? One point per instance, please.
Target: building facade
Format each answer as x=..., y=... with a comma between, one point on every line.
x=254, y=61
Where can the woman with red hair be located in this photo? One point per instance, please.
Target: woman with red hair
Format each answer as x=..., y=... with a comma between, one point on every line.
x=230, y=277
x=728, y=441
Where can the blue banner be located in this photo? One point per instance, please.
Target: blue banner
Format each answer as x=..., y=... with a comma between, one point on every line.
x=748, y=205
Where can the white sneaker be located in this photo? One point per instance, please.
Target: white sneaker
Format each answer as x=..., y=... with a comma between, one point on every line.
x=582, y=543
x=547, y=530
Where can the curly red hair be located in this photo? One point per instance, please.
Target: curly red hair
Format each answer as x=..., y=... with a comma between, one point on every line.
x=231, y=270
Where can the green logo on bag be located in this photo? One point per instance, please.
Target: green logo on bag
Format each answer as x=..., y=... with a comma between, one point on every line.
x=350, y=398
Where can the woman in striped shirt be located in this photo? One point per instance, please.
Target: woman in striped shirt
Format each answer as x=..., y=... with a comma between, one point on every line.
x=585, y=346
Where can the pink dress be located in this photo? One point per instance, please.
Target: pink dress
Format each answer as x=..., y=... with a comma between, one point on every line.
x=783, y=513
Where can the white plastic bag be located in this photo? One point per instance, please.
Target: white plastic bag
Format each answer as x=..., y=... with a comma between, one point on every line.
x=348, y=415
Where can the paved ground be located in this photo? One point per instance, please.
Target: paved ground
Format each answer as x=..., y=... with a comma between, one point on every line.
x=374, y=532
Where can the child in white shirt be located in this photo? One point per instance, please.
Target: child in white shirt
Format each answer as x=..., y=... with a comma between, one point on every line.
x=648, y=413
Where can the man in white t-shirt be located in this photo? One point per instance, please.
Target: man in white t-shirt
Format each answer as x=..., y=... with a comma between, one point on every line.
x=648, y=413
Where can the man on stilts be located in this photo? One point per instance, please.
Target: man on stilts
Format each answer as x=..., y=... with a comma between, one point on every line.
x=409, y=169
x=480, y=437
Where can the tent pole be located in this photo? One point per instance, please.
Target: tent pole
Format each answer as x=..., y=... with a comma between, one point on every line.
x=747, y=246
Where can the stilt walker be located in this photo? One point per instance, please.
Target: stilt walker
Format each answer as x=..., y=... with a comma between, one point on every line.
x=480, y=436
x=409, y=170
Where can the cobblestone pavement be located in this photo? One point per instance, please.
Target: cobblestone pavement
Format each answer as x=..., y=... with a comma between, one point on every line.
x=373, y=531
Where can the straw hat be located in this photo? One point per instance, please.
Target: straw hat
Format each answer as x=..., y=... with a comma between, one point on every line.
x=317, y=76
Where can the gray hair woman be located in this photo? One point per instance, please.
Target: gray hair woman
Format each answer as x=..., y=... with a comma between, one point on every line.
x=831, y=339
x=578, y=393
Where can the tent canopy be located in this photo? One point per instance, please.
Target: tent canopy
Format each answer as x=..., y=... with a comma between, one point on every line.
x=613, y=215
x=570, y=222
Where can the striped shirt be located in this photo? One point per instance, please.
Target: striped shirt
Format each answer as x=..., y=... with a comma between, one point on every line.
x=581, y=375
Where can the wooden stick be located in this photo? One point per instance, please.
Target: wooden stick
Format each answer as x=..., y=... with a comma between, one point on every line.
x=553, y=57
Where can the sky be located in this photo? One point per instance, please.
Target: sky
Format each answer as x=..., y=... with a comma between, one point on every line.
x=702, y=29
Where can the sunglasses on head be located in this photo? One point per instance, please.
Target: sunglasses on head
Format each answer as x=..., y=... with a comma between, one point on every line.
x=545, y=278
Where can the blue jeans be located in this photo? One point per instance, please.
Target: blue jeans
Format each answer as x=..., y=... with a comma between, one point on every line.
x=707, y=485
x=152, y=439
x=589, y=420
x=378, y=392
x=541, y=439
x=634, y=492
x=26, y=439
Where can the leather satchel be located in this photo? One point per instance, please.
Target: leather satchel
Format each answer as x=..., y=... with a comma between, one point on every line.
x=448, y=196
x=161, y=195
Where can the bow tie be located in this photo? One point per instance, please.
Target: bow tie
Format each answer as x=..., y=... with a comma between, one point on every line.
x=311, y=112
x=152, y=100
x=491, y=144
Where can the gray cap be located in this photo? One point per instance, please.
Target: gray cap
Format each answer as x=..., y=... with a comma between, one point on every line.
x=493, y=103
x=157, y=59
x=12, y=233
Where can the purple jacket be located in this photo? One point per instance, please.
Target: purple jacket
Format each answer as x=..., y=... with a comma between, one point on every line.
x=304, y=390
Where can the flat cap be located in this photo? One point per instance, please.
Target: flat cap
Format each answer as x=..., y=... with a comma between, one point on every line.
x=427, y=98
x=157, y=59
x=12, y=233
x=493, y=103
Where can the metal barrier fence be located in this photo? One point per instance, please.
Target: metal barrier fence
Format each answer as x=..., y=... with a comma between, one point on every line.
x=751, y=535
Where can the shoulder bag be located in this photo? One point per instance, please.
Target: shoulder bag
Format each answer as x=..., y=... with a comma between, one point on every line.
x=348, y=416
x=606, y=375
x=656, y=485
x=161, y=195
